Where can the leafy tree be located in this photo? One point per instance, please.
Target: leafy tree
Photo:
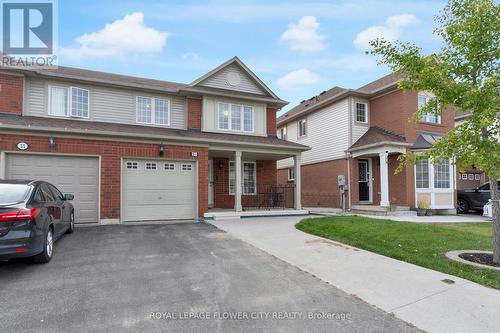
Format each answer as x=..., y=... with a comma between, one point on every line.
x=463, y=75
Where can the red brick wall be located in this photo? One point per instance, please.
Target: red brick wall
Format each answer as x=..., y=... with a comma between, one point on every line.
x=11, y=94
x=393, y=112
x=266, y=177
x=194, y=113
x=111, y=153
x=271, y=121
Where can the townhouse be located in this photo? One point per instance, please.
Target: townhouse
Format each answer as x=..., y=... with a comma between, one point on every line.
x=133, y=149
x=356, y=136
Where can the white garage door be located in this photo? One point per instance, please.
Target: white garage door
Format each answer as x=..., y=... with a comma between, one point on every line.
x=158, y=190
x=70, y=174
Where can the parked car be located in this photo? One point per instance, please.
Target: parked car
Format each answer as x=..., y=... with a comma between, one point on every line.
x=473, y=199
x=33, y=215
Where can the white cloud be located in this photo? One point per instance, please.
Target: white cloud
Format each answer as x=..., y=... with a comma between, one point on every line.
x=390, y=31
x=119, y=39
x=191, y=56
x=304, y=35
x=298, y=78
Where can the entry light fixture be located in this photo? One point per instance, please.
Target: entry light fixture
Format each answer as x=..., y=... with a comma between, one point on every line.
x=52, y=143
x=162, y=149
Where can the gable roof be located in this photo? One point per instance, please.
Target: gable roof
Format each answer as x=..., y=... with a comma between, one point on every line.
x=238, y=62
x=336, y=93
x=376, y=135
x=425, y=141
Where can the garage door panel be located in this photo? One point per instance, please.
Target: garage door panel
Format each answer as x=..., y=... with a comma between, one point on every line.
x=70, y=174
x=158, y=194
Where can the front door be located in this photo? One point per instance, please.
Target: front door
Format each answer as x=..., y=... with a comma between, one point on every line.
x=210, y=184
x=364, y=181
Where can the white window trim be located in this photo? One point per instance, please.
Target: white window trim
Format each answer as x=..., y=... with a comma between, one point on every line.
x=283, y=133
x=424, y=118
x=242, y=118
x=242, y=177
x=189, y=167
x=169, y=163
x=431, y=189
x=153, y=111
x=155, y=163
x=288, y=172
x=305, y=128
x=132, y=163
x=356, y=112
x=69, y=113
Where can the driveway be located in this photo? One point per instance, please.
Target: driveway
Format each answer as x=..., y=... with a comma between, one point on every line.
x=111, y=278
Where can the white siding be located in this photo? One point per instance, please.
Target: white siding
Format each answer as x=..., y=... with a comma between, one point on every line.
x=106, y=104
x=210, y=116
x=327, y=134
x=358, y=129
x=219, y=80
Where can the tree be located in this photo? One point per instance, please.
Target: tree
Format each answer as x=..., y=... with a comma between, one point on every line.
x=463, y=75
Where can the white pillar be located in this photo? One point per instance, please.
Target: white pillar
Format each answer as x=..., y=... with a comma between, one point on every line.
x=297, y=194
x=384, y=179
x=238, y=187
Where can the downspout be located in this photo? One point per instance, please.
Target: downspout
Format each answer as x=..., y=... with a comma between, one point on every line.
x=348, y=154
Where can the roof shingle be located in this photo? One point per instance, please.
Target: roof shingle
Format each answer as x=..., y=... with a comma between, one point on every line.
x=377, y=135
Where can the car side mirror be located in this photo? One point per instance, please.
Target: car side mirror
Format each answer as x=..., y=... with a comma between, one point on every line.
x=68, y=196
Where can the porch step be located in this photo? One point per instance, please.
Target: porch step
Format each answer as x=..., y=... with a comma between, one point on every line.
x=383, y=211
x=232, y=215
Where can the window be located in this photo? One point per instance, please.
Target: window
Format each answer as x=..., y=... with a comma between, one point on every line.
x=153, y=110
x=58, y=101
x=150, y=166
x=432, y=117
x=249, y=178
x=47, y=194
x=442, y=174
x=471, y=176
x=361, y=112
x=132, y=165
x=302, y=126
x=169, y=166
x=235, y=117
x=422, y=174
x=477, y=176
x=187, y=167
x=291, y=174
x=79, y=102
x=282, y=133
x=55, y=192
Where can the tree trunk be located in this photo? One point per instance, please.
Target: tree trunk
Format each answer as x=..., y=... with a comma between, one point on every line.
x=496, y=220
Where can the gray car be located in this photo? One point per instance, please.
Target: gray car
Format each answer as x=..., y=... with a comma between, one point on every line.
x=473, y=199
x=33, y=215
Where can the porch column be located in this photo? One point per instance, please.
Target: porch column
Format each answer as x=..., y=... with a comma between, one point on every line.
x=384, y=179
x=297, y=195
x=238, y=189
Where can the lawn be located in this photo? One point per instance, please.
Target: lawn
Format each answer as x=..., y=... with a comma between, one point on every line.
x=420, y=244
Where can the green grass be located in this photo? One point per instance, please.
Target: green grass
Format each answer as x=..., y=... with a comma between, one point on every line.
x=420, y=244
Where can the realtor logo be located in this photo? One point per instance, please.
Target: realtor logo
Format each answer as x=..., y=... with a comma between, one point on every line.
x=28, y=28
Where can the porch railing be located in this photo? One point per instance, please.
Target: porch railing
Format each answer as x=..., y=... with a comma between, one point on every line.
x=270, y=197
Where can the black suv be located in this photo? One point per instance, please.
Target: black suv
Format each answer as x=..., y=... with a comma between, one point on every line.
x=33, y=215
x=473, y=199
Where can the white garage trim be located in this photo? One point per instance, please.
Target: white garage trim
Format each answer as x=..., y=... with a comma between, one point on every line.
x=160, y=161
x=3, y=168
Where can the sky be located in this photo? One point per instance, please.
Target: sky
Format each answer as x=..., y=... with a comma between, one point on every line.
x=298, y=48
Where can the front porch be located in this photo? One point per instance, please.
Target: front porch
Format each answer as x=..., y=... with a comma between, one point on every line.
x=243, y=183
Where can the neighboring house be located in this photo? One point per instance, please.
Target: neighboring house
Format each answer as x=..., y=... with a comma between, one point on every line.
x=139, y=149
x=358, y=134
x=472, y=177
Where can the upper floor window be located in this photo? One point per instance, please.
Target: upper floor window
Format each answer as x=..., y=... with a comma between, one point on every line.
x=432, y=117
x=153, y=110
x=361, y=115
x=302, y=127
x=235, y=117
x=282, y=133
x=68, y=102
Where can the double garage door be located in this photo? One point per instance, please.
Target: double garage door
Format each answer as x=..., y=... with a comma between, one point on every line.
x=158, y=190
x=70, y=174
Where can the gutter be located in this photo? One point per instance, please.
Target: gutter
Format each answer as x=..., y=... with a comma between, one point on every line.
x=278, y=102
x=202, y=141
x=382, y=143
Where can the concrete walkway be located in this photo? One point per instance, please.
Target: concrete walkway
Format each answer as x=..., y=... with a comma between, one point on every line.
x=414, y=294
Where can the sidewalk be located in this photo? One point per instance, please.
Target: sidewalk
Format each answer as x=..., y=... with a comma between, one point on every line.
x=414, y=294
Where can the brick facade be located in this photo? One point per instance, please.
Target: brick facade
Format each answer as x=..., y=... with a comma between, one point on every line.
x=266, y=177
x=271, y=121
x=11, y=94
x=194, y=113
x=111, y=153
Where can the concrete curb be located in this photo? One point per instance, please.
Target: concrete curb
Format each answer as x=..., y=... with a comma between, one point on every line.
x=454, y=255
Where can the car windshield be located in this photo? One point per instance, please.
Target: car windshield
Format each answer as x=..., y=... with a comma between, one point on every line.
x=12, y=193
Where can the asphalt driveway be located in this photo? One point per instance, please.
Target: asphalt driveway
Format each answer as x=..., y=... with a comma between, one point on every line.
x=144, y=278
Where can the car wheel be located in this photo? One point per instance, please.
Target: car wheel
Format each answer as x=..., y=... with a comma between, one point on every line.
x=48, y=248
x=462, y=206
x=71, y=228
